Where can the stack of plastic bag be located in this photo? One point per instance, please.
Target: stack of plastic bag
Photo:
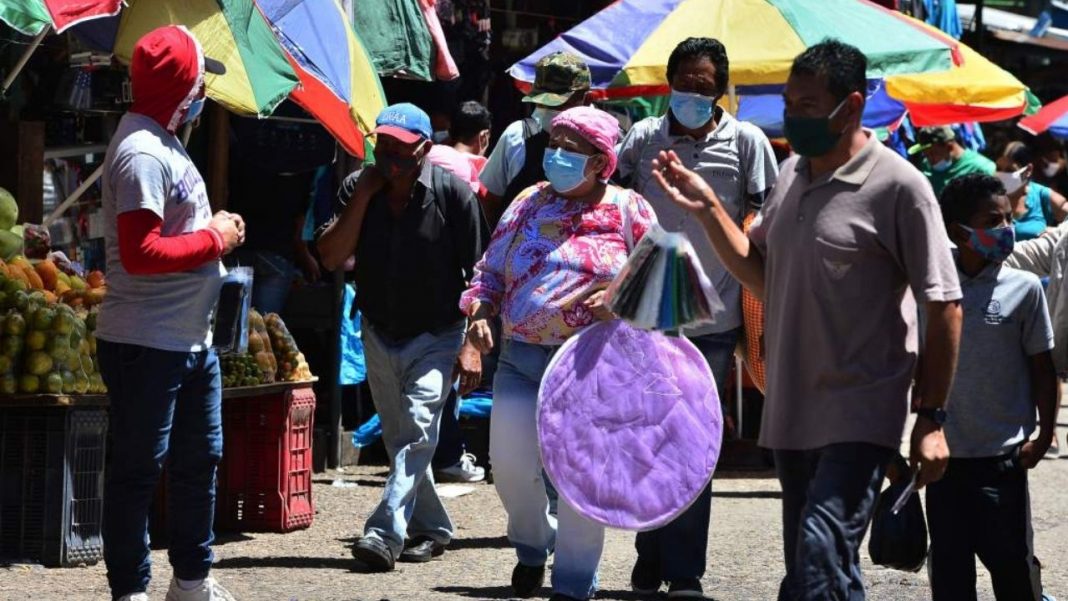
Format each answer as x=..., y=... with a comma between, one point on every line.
x=663, y=287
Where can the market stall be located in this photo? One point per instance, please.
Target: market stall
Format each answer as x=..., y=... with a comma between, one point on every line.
x=53, y=444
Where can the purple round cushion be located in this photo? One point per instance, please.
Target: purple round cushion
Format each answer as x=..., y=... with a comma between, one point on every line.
x=629, y=425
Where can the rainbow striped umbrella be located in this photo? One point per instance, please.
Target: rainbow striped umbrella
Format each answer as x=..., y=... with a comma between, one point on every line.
x=35, y=16
x=258, y=75
x=1052, y=118
x=627, y=44
x=338, y=82
x=977, y=90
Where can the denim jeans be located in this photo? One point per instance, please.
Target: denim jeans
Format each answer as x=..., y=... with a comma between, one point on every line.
x=981, y=507
x=410, y=381
x=679, y=549
x=450, y=439
x=164, y=405
x=828, y=496
x=520, y=483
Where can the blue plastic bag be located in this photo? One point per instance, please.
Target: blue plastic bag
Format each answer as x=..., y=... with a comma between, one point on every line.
x=353, y=365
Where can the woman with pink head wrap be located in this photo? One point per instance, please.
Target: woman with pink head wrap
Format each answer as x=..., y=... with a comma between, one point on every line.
x=557, y=247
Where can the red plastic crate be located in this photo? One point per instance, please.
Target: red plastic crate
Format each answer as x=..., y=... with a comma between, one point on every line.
x=265, y=478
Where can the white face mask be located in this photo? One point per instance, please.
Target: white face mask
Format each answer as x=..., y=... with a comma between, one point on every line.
x=1012, y=181
x=1051, y=169
x=544, y=117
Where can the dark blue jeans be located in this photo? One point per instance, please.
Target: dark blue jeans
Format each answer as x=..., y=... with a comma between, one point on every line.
x=828, y=496
x=680, y=548
x=164, y=405
x=981, y=508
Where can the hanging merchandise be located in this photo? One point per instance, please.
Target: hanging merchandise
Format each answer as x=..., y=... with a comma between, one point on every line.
x=396, y=36
x=629, y=425
x=663, y=287
x=444, y=66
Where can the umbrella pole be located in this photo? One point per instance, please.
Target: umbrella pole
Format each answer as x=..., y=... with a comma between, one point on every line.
x=25, y=58
x=74, y=196
x=732, y=99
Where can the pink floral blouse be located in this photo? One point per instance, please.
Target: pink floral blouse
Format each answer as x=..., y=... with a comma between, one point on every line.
x=548, y=254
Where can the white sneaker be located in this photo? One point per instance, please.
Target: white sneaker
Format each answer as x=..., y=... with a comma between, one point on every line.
x=135, y=597
x=464, y=471
x=209, y=590
x=1054, y=450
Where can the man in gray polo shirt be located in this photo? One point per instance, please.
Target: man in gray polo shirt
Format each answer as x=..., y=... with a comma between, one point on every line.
x=737, y=161
x=848, y=228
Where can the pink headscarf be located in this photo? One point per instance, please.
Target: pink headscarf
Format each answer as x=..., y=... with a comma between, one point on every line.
x=596, y=127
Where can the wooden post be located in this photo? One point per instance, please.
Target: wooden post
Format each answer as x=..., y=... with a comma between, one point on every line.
x=22, y=145
x=219, y=157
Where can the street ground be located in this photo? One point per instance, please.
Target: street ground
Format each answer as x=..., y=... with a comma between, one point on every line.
x=744, y=556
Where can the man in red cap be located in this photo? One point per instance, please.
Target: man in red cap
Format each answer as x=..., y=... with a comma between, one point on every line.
x=164, y=275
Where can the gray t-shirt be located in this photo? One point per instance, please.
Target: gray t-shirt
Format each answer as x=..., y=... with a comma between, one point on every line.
x=840, y=252
x=991, y=408
x=736, y=159
x=146, y=167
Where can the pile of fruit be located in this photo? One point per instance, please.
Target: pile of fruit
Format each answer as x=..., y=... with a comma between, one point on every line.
x=259, y=346
x=47, y=347
x=292, y=367
x=10, y=234
x=55, y=283
x=272, y=355
x=240, y=370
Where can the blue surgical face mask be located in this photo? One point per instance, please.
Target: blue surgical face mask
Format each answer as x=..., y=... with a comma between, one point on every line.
x=441, y=136
x=194, y=110
x=692, y=111
x=942, y=166
x=565, y=170
x=994, y=244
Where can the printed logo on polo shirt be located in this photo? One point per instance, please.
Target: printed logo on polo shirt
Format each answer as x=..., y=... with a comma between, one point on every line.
x=992, y=314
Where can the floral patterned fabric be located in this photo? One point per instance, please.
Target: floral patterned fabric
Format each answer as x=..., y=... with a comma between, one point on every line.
x=548, y=254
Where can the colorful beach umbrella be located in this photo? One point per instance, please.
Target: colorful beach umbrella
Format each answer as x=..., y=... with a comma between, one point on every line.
x=627, y=44
x=338, y=82
x=258, y=75
x=977, y=90
x=31, y=17
x=1052, y=118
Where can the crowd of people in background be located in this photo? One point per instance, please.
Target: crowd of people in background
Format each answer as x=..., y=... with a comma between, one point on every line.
x=891, y=284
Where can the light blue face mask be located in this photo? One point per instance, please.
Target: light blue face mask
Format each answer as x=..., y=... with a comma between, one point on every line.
x=565, y=170
x=692, y=111
x=194, y=110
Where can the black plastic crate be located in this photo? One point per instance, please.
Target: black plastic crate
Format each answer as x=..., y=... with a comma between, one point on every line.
x=52, y=484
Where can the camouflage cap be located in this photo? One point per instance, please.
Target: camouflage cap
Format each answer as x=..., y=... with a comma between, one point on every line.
x=557, y=77
x=929, y=136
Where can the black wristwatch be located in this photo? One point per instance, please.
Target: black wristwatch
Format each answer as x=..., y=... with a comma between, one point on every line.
x=935, y=414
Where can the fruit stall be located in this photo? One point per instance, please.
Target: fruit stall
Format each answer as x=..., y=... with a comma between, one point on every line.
x=53, y=420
